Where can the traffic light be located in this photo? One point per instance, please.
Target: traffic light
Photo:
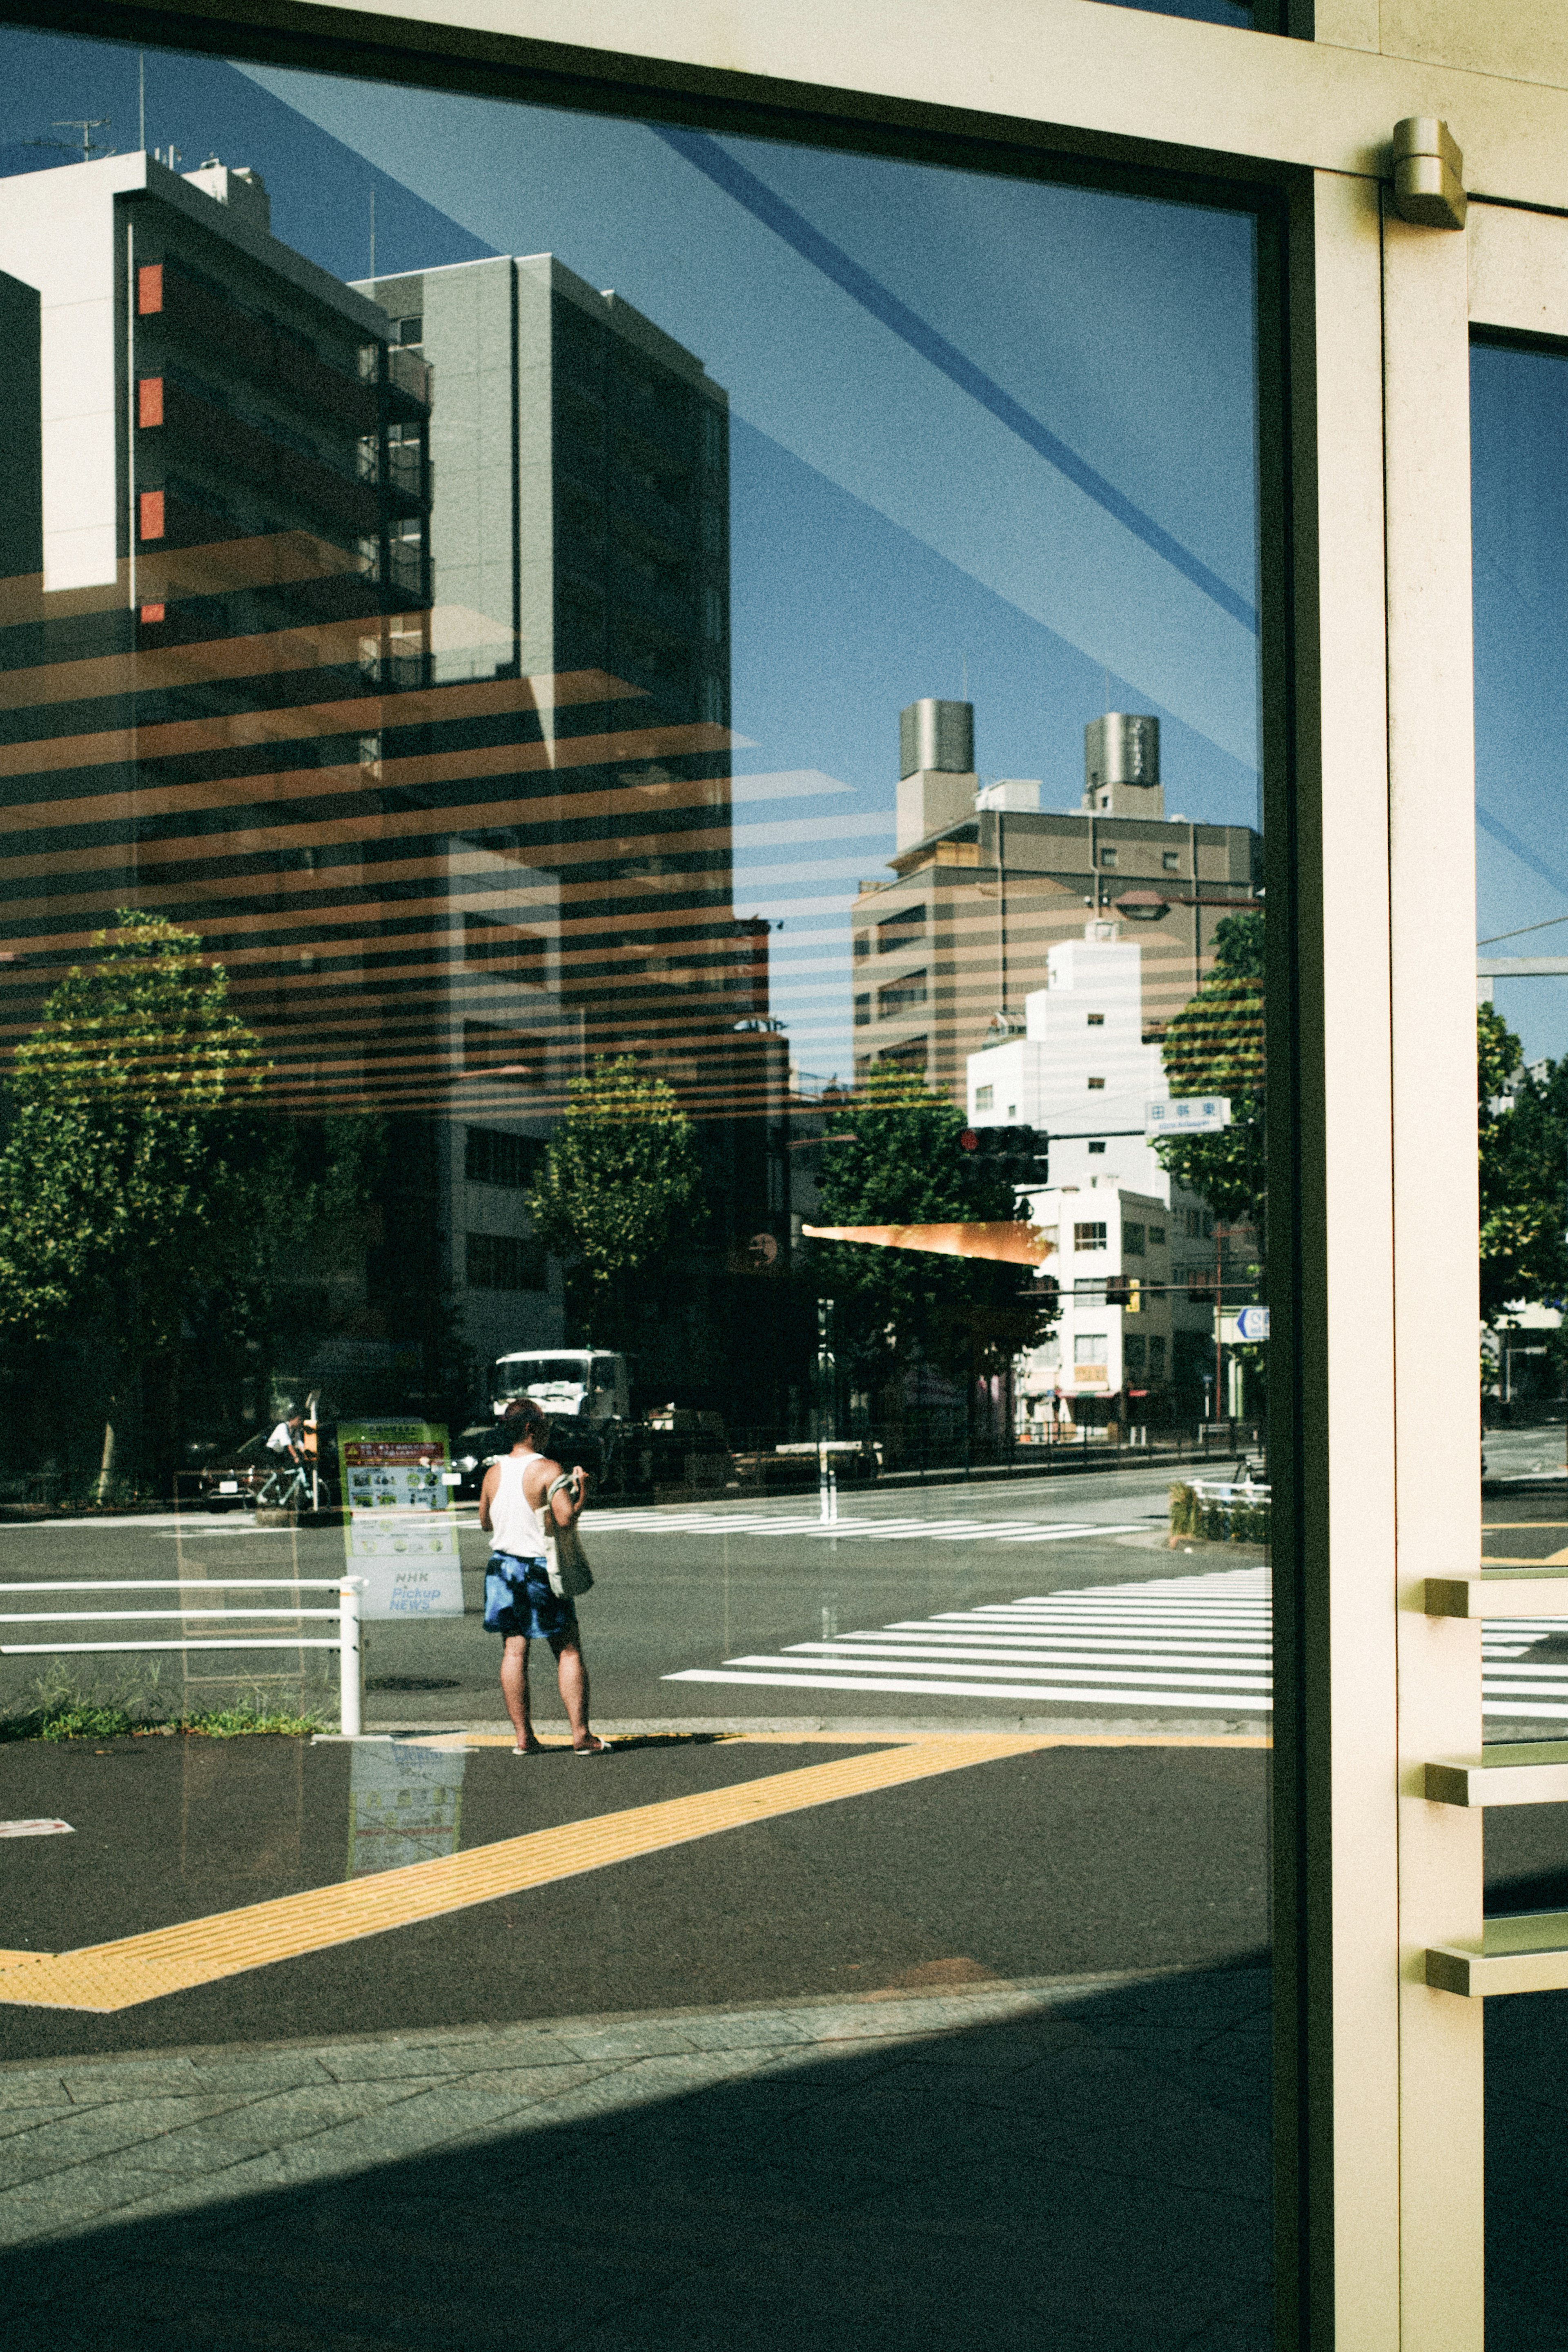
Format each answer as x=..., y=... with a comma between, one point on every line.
x=1018, y=1154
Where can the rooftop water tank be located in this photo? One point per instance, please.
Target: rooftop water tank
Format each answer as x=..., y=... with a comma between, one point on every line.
x=939, y=735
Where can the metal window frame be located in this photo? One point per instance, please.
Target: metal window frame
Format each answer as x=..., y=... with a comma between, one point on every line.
x=1368, y=833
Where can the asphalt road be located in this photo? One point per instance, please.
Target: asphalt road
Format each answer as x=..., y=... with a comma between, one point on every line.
x=1074, y=1859
x=676, y=1598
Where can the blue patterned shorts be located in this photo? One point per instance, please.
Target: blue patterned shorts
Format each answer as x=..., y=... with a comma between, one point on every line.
x=518, y=1599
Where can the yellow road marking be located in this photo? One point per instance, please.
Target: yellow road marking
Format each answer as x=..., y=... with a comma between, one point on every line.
x=113, y=1976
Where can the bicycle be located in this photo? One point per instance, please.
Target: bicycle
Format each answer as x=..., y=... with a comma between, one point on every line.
x=285, y=1489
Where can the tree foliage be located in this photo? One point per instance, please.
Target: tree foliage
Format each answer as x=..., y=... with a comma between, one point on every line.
x=1214, y=1046
x=901, y=1164
x=134, y=1135
x=1523, y=1130
x=621, y=1181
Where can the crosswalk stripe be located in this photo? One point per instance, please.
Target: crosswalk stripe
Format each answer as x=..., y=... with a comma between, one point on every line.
x=1183, y=1641
x=936, y=1689
x=900, y=1527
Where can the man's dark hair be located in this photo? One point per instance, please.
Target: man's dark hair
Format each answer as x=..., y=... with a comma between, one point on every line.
x=524, y=1417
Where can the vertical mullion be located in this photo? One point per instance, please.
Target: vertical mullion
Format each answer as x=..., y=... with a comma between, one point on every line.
x=1431, y=801
x=1331, y=1292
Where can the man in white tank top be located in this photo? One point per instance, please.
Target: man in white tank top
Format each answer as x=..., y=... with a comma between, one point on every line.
x=518, y=1602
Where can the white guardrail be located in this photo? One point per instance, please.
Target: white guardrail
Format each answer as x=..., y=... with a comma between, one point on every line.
x=345, y=1641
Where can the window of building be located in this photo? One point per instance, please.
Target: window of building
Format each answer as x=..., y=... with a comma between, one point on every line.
x=1157, y=1236
x=503, y=1053
x=1097, y=1145
x=1096, y=1020
x=1170, y=861
x=862, y=943
x=1107, y=857
x=506, y=1262
x=506, y=950
x=411, y=330
x=900, y=994
x=984, y=1097
x=1157, y=1358
x=1131, y=1240
x=492, y=1157
x=862, y=1011
x=896, y=931
x=1134, y=1355
x=1096, y=1085
x=910, y=1054
x=1090, y=1350
x=1088, y=1237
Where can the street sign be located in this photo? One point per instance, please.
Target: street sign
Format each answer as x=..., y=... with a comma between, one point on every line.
x=1186, y=1115
x=1252, y=1323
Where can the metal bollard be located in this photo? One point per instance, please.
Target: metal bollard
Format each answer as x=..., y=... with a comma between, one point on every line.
x=349, y=1664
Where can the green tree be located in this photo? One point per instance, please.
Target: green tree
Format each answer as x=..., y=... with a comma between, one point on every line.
x=1523, y=1160
x=621, y=1183
x=127, y=1174
x=1214, y=1046
x=901, y=1165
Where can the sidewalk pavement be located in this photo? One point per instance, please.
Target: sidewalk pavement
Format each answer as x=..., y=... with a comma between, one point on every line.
x=1082, y=2162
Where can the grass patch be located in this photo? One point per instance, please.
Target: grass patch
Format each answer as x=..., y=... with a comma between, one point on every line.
x=134, y=1708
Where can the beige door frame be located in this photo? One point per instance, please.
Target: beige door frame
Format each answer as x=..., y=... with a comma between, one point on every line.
x=1372, y=947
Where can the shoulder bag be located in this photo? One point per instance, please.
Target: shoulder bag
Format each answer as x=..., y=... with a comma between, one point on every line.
x=565, y=1563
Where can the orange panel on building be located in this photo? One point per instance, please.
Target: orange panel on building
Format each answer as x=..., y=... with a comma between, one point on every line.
x=150, y=288
x=149, y=402
x=151, y=514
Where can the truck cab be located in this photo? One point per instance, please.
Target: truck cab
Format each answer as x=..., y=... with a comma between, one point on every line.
x=571, y=1384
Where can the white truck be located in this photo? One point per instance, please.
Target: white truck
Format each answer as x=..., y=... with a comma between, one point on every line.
x=571, y=1384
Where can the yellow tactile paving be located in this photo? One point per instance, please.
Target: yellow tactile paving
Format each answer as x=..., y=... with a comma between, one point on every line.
x=105, y=1976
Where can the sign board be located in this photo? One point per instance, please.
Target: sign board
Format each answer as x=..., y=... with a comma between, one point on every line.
x=1186, y=1115
x=401, y=1536
x=1252, y=1323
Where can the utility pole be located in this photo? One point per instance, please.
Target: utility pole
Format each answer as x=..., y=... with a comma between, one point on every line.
x=827, y=1383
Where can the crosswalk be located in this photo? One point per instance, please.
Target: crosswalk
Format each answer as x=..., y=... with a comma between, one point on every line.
x=863, y=1527
x=1199, y=1641
x=1181, y=1642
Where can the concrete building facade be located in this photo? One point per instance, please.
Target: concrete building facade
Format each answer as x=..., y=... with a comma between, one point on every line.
x=985, y=885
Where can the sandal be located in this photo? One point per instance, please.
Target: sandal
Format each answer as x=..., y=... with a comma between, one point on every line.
x=596, y=1747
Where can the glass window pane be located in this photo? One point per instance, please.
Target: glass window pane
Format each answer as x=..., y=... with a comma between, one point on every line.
x=633, y=875
x=1519, y=435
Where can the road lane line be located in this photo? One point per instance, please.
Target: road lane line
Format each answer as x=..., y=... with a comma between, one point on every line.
x=117, y=1975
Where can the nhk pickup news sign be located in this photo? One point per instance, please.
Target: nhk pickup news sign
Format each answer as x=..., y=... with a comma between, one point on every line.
x=400, y=1535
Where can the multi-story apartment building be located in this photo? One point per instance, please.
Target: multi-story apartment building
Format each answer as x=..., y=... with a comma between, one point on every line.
x=213, y=644
x=581, y=537
x=985, y=884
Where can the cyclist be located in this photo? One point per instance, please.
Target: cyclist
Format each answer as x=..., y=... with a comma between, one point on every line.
x=286, y=1443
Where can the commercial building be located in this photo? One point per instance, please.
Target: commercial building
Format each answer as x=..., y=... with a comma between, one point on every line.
x=580, y=533
x=985, y=884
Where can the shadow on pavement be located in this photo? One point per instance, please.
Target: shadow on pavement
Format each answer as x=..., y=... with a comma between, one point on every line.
x=1092, y=2175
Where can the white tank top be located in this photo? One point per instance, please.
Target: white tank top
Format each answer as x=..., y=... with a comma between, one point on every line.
x=516, y=1525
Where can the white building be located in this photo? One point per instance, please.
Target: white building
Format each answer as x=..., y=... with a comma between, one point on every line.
x=1128, y=1267
x=1132, y=1252
x=1080, y=1072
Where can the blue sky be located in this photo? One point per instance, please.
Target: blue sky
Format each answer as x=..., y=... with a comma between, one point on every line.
x=894, y=525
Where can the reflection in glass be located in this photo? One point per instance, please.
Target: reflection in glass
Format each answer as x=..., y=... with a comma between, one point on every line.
x=632, y=770
x=405, y=1804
